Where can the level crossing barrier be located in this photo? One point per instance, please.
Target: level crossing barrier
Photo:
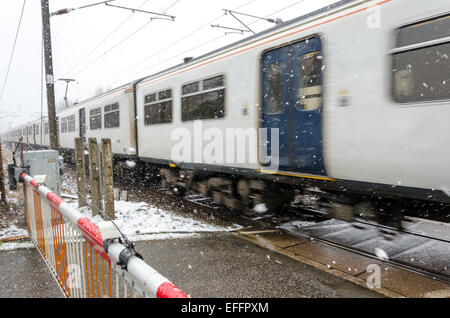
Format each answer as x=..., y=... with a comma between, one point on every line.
x=85, y=265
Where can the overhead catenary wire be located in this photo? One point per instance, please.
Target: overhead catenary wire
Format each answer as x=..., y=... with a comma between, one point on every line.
x=194, y=48
x=115, y=46
x=184, y=37
x=119, y=43
x=172, y=5
x=112, y=48
x=283, y=9
x=13, y=50
x=102, y=41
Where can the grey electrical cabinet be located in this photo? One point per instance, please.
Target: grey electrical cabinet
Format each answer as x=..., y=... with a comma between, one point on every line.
x=45, y=162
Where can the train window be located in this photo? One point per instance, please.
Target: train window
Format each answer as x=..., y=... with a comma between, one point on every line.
x=95, y=118
x=37, y=130
x=191, y=88
x=310, y=91
x=150, y=98
x=213, y=82
x=273, y=92
x=208, y=103
x=46, y=128
x=425, y=31
x=159, y=111
x=421, y=63
x=112, y=116
x=71, y=123
x=64, y=125
x=165, y=94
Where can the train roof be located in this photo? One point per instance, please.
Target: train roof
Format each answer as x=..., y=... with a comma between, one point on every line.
x=316, y=13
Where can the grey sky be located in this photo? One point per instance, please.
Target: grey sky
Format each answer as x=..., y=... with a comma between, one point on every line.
x=123, y=56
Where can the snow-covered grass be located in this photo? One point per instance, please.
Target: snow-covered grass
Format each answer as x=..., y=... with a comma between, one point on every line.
x=143, y=221
x=10, y=246
x=12, y=230
x=295, y=225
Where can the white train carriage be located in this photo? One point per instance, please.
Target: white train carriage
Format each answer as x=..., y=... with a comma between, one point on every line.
x=359, y=92
x=110, y=115
x=45, y=141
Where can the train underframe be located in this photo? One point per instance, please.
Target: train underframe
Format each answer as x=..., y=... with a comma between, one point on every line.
x=242, y=193
x=246, y=194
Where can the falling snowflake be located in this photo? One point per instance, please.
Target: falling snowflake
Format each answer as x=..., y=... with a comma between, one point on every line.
x=381, y=254
x=130, y=164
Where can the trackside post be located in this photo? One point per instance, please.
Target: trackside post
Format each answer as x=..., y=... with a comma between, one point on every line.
x=108, y=180
x=80, y=171
x=94, y=175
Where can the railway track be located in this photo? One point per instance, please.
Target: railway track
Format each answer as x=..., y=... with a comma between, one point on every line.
x=269, y=220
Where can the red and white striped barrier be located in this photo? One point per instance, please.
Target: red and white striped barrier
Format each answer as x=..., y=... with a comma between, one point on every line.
x=72, y=246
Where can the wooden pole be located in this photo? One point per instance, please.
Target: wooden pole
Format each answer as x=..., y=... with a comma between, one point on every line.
x=46, y=34
x=2, y=177
x=94, y=174
x=108, y=178
x=81, y=175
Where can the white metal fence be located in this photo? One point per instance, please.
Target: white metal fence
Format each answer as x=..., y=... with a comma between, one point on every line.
x=73, y=248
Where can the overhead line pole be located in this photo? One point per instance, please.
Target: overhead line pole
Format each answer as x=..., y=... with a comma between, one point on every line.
x=46, y=35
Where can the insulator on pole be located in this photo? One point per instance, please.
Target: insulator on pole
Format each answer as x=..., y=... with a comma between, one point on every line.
x=62, y=11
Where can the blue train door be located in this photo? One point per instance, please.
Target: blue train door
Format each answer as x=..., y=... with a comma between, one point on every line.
x=292, y=102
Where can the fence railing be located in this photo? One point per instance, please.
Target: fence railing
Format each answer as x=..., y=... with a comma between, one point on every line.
x=72, y=247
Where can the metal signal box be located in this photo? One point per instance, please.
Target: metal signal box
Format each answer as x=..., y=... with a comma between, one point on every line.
x=45, y=162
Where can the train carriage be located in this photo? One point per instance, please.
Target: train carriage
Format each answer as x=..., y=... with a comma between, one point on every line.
x=353, y=109
x=353, y=98
x=110, y=115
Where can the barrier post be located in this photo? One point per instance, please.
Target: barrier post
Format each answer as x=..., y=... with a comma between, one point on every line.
x=108, y=181
x=80, y=171
x=94, y=174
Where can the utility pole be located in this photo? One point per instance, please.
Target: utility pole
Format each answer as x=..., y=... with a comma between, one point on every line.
x=2, y=178
x=53, y=131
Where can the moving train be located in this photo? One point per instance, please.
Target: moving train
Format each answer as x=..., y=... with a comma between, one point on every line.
x=352, y=102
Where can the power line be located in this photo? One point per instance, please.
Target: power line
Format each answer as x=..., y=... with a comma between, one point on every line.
x=118, y=44
x=121, y=24
x=285, y=8
x=12, y=52
x=172, y=5
x=103, y=41
x=177, y=42
x=171, y=58
x=198, y=46
x=112, y=48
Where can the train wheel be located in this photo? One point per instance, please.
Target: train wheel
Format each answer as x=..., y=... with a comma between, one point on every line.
x=278, y=198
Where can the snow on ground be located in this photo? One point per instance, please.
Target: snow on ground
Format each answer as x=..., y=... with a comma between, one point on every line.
x=10, y=246
x=69, y=183
x=12, y=230
x=381, y=254
x=295, y=225
x=143, y=221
